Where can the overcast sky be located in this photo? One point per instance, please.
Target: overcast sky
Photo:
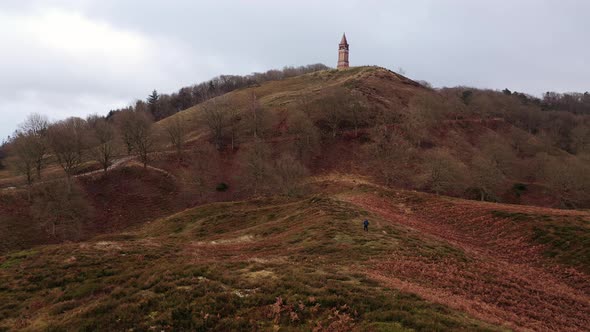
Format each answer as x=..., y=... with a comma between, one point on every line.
x=63, y=58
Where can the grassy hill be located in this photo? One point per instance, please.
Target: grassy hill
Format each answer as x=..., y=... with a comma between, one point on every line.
x=384, y=88
x=428, y=263
x=480, y=143
x=187, y=243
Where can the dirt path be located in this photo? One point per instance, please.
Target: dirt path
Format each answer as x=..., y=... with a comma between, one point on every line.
x=504, y=279
x=117, y=163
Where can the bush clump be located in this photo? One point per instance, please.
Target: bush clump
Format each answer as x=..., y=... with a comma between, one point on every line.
x=222, y=187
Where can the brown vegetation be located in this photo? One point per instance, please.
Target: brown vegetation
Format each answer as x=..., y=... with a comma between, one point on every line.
x=260, y=146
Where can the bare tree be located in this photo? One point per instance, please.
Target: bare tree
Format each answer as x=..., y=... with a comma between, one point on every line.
x=444, y=173
x=257, y=119
x=215, y=118
x=290, y=172
x=416, y=128
x=334, y=108
x=257, y=170
x=390, y=156
x=388, y=118
x=425, y=111
x=569, y=179
x=24, y=148
x=558, y=129
x=526, y=117
x=203, y=170
x=520, y=141
x=581, y=138
x=62, y=209
x=124, y=122
x=142, y=135
x=67, y=141
x=498, y=151
x=255, y=113
x=234, y=125
x=306, y=135
x=35, y=126
x=2, y=155
x=486, y=177
x=358, y=114
x=304, y=104
x=177, y=130
x=102, y=141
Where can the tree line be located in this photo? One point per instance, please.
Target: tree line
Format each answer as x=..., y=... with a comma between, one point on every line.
x=37, y=138
x=430, y=144
x=68, y=143
x=573, y=102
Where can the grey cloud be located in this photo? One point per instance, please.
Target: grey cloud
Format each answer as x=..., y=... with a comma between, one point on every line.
x=527, y=45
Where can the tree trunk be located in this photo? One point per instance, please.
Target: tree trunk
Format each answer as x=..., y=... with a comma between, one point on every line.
x=255, y=124
x=69, y=182
x=29, y=185
x=218, y=141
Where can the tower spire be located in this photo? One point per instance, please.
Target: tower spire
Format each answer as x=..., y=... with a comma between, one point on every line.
x=343, y=41
x=343, y=53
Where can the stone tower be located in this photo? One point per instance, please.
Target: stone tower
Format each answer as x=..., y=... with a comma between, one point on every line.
x=343, y=53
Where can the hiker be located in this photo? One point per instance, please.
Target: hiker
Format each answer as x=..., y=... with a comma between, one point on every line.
x=366, y=225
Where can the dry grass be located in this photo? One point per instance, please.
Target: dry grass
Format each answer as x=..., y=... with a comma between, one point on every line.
x=428, y=263
x=260, y=264
x=506, y=276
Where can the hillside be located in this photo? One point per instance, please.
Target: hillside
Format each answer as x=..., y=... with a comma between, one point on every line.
x=470, y=143
x=383, y=89
x=244, y=212
x=306, y=263
x=127, y=197
x=477, y=144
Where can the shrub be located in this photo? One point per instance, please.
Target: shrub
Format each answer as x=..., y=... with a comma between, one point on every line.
x=519, y=188
x=222, y=187
x=182, y=319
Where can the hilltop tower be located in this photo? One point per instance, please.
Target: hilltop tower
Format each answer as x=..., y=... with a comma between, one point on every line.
x=343, y=53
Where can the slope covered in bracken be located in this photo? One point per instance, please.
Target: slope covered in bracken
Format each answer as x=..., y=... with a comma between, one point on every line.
x=128, y=196
x=505, y=273
x=255, y=222
x=372, y=121
x=479, y=153
x=306, y=264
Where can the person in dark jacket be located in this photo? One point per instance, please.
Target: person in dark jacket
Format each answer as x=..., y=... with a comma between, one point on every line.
x=366, y=225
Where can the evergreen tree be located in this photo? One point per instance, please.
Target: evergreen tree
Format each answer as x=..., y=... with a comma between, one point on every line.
x=153, y=97
x=153, y=101
x=211, y=89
